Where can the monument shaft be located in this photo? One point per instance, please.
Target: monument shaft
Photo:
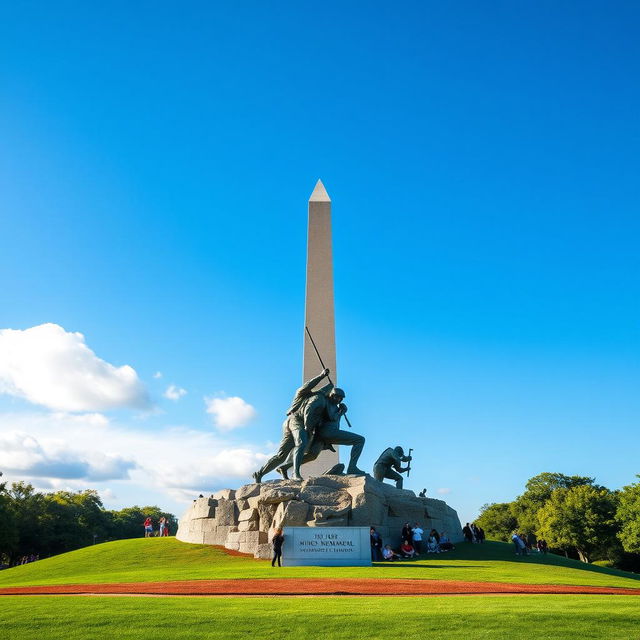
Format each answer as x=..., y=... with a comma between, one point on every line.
x=319, y=308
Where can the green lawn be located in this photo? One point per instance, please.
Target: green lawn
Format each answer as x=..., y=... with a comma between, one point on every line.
x=453, y=618
x=159, y=559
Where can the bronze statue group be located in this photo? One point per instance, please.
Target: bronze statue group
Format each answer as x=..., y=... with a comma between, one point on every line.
x=312, y=424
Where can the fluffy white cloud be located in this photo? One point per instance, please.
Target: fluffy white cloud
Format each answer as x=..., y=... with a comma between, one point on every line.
x=157, y=375
x=443, y=491
x=49, y=366
x=230, y=413
x=24, y=455
x=174, y=393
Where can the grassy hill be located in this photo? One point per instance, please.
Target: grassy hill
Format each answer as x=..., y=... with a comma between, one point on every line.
x=162, y=559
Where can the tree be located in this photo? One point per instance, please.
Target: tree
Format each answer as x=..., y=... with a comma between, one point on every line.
x=580, y=518
x=73, y=519
x=537, y=491
x=28, y=507
x=497, y=520
x=8, y=531
x=628, y=517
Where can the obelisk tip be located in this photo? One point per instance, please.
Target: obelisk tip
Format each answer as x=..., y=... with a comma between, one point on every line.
x=319, y=193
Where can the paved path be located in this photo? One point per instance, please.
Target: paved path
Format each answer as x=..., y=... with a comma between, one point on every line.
x=312, y=586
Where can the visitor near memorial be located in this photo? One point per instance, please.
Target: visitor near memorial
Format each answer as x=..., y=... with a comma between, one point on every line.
x=407, y=550
x=416, y=534
x=276, y=542
x=376, y=545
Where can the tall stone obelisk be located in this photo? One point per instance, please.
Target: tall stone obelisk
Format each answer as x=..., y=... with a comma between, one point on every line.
x=319, y=312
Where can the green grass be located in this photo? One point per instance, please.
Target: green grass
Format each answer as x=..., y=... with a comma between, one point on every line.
x=160, y=559
x=453, y=618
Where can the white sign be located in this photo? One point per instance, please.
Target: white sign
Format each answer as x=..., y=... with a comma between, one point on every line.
x=326, y=546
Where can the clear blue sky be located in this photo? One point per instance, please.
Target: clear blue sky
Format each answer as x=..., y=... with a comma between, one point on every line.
x=482, y=160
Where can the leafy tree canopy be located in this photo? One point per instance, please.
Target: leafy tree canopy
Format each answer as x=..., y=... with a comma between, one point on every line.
x=582, y=518
x=628, y=517
x=537, y=491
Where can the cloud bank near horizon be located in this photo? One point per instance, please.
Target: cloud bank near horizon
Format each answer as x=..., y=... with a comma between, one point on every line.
x=59, y=449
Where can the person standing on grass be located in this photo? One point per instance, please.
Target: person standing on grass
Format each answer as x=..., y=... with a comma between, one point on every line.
x=277, y=541
x=148, y=527
x=163, y=524
x=376, y=545
x=416, y=538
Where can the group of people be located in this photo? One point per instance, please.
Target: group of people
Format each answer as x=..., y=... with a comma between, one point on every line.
x=524, y=545
x=473, y=533
x=163, y=528
x=411, y=545
x=32, y=557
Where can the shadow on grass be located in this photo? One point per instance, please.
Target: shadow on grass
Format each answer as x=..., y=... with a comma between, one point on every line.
x=407, y=565
x=504, y=552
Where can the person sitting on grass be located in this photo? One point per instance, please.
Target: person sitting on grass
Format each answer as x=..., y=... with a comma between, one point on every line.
x=389, y=554
x=445, y=543
x=525, y=545
x=518, y=542
x=407, y=550
x=433, y=546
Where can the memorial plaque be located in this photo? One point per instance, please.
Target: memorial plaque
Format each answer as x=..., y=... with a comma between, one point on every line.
x=326, y=547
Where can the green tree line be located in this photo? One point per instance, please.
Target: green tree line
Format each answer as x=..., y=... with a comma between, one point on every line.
x=45, y=524
x=575, y=516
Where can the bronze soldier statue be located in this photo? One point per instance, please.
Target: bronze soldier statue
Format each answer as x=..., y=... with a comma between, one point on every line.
x=326, y=432
x=391, y=459
x=307, y=410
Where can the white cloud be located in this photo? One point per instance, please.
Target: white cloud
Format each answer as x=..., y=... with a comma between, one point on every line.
x=174, y=393
x=230, y=413
x=444, y=490
x=24, y=455
x=49, y=366
x=157, y=375
x=177, y=461
x=107, y=495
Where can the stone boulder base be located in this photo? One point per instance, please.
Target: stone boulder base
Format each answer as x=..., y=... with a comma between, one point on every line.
x=241, y=520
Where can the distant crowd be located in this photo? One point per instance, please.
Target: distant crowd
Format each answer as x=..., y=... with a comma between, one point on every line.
x=32, y=557
x=411, y=546
x=473, y=533
x=525, y=545
x=151, y=532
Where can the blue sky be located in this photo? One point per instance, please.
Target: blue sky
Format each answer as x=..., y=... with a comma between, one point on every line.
x=482, y=160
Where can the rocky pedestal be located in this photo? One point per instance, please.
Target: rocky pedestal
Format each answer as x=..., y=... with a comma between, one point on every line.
x=241, y=519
